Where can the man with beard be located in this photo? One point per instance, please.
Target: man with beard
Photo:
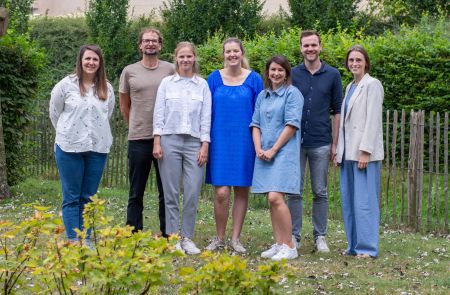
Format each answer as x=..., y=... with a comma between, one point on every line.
x=321, y=87
x=137, y=90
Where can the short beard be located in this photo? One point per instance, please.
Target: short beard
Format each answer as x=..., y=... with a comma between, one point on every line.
x=150, y=53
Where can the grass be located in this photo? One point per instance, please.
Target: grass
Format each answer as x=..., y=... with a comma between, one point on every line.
x=409, y=263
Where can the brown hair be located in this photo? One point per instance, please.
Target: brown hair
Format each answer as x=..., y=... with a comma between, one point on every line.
x=244, y=62
x=360, y=49
x=308, y=33
x=149, y=30
x=191, y=46
x=101, y=88
x=284, y=63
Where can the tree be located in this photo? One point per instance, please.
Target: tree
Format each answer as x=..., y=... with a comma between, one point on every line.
x=109, y=27
x=196, y=20
x=4, y=188
x=322, y=15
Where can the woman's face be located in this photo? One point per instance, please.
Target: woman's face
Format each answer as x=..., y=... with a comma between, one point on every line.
x=90, y=62
x=277, y=75
x=185, y=60
x=232, y=54
x=356, y=63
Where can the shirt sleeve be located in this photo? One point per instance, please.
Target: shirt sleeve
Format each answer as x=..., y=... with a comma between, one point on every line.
x=124, y=86
x=337, y=95
x=205, y=120
x=293, y=107
x=57, y=99
x=256, y=114
x=111, y=101
x=160, y=109
x=258, y=86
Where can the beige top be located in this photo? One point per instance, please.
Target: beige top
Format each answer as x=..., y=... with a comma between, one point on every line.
x=142, y=85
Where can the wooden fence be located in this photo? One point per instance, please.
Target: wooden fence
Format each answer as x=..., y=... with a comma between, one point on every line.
x=414, y=175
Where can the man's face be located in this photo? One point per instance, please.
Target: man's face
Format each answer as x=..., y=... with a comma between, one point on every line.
x=150, y=44
x=310, y=48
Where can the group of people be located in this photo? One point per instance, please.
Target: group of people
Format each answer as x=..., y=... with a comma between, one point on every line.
x=249, y=132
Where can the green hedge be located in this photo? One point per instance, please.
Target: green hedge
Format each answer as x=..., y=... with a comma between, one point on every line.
x=412, y=64
x=21, y=65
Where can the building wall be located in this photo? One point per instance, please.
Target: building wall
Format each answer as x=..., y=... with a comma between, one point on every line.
x=137, y=7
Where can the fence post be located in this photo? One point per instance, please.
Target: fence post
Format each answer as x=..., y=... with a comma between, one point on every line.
x=421, y=129
x=436, y=187
x=387, y=170
x=394, y=167
x=411, y=169
x=402, y=164
x=446, y=170
x=430, y=170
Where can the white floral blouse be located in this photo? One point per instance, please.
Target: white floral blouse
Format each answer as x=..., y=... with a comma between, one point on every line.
x=81, y=122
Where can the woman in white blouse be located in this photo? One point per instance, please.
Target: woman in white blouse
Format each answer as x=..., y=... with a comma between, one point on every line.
x=81, y=105
x=181, y=124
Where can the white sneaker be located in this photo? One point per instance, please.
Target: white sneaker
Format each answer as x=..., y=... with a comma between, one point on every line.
x=297, y=243
x=321, y=245
x=237, y=246
x=269, y=253
x=189, y=246
x=285, y=253
x=215, y=244
x=178, y=247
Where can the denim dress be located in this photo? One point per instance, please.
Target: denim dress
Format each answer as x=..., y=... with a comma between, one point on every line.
x=273, y=111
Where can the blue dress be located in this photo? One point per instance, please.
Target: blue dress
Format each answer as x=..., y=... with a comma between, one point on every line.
x=231, y=151
x=273, y=111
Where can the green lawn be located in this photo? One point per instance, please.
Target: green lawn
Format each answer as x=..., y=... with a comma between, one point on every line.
x=409, y=263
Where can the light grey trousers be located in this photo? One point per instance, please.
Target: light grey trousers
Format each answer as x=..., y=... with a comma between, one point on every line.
x=179, y=162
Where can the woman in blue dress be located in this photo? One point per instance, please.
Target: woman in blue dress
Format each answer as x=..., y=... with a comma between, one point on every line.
x=231, y=154
x=276, y=136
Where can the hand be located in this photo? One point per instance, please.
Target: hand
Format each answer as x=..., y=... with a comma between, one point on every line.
x=333, y=152
x=157, y=151
x=202, y=157
x=363, y=160
x=260, y=153
x=268, y=155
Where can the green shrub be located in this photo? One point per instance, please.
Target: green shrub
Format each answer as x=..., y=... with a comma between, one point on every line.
x=411, y=64
x=196, y=20
x=19, y=14
x=21, y=64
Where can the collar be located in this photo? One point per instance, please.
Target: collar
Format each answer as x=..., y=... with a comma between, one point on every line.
x=279, y=92
x=195, y=79
x=323, y=67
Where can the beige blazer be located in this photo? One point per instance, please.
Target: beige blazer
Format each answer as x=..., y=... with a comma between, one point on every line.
x=363, y=122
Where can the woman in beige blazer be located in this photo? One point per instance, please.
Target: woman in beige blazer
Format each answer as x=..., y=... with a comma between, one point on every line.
x=360, y=152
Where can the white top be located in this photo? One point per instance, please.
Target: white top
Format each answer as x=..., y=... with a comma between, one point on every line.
x=81, y=122
x=183, y=106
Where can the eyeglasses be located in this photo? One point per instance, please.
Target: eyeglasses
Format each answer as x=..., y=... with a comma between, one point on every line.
x=148, y=41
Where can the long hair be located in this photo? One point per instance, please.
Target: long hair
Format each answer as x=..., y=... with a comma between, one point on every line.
x=284, y=63
x=360, y=49
x=101, y=88
x=191, y=46
x=244, y=62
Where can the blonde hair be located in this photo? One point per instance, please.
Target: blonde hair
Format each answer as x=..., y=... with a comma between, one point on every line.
x=244, y=62
x=195, y=67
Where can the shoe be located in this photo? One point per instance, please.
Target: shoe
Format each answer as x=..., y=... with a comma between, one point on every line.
x=297, y=243
x=215, y=244
x=189, y=247
x=269, y=253
x=237, y=246
x=285, y=253
x=178, y=247
x=321, y=245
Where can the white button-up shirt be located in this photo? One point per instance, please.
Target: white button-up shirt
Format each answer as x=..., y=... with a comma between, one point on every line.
x=183, y=106
x=81, y=122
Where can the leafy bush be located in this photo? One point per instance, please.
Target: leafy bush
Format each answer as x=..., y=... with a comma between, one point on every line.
x=412, y=64
x=21, y=65
x=19, y=14
x=322, y=15
x=196, y=20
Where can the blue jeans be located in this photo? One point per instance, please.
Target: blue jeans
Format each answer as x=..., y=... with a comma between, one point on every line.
x=319, y=160
x=80, y=175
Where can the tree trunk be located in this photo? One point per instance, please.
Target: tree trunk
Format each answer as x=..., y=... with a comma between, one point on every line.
x=4, y=188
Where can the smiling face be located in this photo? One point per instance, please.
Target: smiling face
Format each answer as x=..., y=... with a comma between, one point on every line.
x=90, y=62
x=356, y=63
x=277, y=75
x=310, y=48
x=232, y=54
x=150, y=44
x=185, y=59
